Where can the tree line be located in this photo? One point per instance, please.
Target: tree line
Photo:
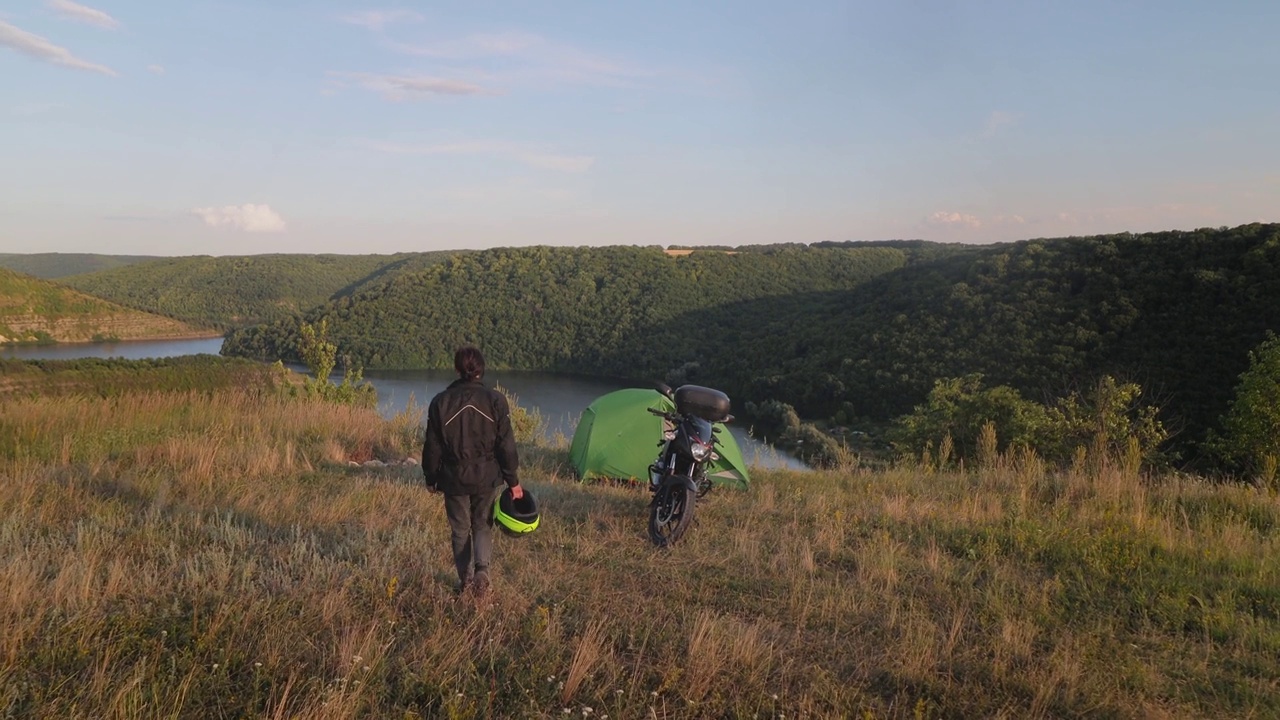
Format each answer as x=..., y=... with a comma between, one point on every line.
x=853, y=335
x=235, y=291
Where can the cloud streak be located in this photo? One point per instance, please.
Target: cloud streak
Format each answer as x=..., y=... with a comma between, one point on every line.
x=522, y=57
x=397, y=88
x=376, y=20
x=249, y=218
x=527, y=155
x=83, y=14
x=999, y=120
x=953, y=219
x=36, y=47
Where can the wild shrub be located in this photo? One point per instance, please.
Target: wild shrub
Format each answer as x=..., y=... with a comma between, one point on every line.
x=1250, y=440
x=1110, y=422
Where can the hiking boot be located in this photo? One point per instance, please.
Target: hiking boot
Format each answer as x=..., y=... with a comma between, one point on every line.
x=465, y=587
x=480, y=588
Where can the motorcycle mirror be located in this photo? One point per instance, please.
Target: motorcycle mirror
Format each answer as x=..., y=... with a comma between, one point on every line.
x=663, y=388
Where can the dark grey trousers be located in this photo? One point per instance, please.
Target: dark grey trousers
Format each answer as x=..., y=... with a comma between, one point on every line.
x=471, y=526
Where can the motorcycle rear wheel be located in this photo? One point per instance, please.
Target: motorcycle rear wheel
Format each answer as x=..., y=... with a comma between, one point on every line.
x=670, y=514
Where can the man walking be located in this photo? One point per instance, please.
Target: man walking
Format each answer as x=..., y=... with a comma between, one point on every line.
x=469, y=453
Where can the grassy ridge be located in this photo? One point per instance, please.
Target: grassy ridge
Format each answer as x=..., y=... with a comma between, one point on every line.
x=232, y=291
x=35, y=310
x=104, y=378
x=213, y=554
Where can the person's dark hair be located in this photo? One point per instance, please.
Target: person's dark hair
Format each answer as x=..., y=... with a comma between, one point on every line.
x=469, y=363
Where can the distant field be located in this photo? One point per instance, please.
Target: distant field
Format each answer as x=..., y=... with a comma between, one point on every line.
x=51, y=266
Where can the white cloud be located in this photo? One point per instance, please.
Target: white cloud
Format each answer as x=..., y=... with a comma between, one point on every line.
x=39, y=48
x=402, y=87
x=249, y=218
x=999, y=120
x=539, y=158
x=521, y=57
x=156, y=69
x=83, y=13
x=954, y=219
x=1009, y=220
x=376, y=20
x=528, y=155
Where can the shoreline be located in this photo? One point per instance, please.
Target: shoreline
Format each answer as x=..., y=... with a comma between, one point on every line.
x=155, y=338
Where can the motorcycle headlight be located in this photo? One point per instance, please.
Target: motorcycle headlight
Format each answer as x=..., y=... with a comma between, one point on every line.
x=700, y=452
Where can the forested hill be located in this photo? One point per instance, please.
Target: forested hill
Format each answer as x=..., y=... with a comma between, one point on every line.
x=51, y=266
x=34, y=310
x=858, y=332
x=567, y=309
x=1176, y=312
x=232, y=291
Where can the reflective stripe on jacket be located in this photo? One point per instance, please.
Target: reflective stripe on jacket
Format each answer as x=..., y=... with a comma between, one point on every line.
x=470, y=447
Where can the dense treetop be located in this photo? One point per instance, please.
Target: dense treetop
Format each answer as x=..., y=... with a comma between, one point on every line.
x=567, y=309
x=859, y=330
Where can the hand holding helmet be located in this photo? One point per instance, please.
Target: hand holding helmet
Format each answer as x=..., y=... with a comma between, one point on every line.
x=516, y=515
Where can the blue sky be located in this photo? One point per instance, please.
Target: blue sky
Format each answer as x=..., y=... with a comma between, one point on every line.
x=238, y=126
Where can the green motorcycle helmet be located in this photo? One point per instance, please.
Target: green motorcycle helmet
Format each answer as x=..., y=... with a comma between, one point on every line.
x=516, y=517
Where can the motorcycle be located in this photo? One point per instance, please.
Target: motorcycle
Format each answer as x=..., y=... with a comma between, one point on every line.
x=678, y=478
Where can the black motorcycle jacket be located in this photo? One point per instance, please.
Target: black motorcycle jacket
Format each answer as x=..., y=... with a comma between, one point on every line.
x=470, y=447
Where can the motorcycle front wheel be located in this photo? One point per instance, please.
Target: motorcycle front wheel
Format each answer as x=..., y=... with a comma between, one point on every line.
x=670, y=514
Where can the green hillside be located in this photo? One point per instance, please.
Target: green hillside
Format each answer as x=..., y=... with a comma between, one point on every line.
x=51, y=266
x=566, y=309
x=854, y=333
x=1176, y=312
x=233, y=291
x=35, y=310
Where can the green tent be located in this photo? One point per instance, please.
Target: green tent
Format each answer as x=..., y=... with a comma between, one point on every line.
x=618, y=438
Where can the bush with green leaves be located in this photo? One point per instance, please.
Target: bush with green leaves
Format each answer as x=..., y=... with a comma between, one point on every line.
x=959, y=408
x=320, y=355
x=1250, y=439
x=1103, y=423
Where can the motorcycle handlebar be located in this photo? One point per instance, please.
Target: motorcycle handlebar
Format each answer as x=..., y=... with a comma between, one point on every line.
x=670, y=416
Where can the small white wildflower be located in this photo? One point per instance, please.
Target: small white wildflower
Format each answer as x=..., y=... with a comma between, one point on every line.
x=257, y=664
x=215, y=666
x=459, y=694
x=653, y=693
x=567, y=711
x=357, y=658
x=551, y=678
x=617, y=692
x=587, y=711
x=774, y=696
x=366, y=668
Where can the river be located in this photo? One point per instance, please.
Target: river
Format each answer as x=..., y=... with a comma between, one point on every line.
x=559, y=399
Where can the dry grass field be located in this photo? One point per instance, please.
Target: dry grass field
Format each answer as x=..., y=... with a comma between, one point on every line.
x=214, y=554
